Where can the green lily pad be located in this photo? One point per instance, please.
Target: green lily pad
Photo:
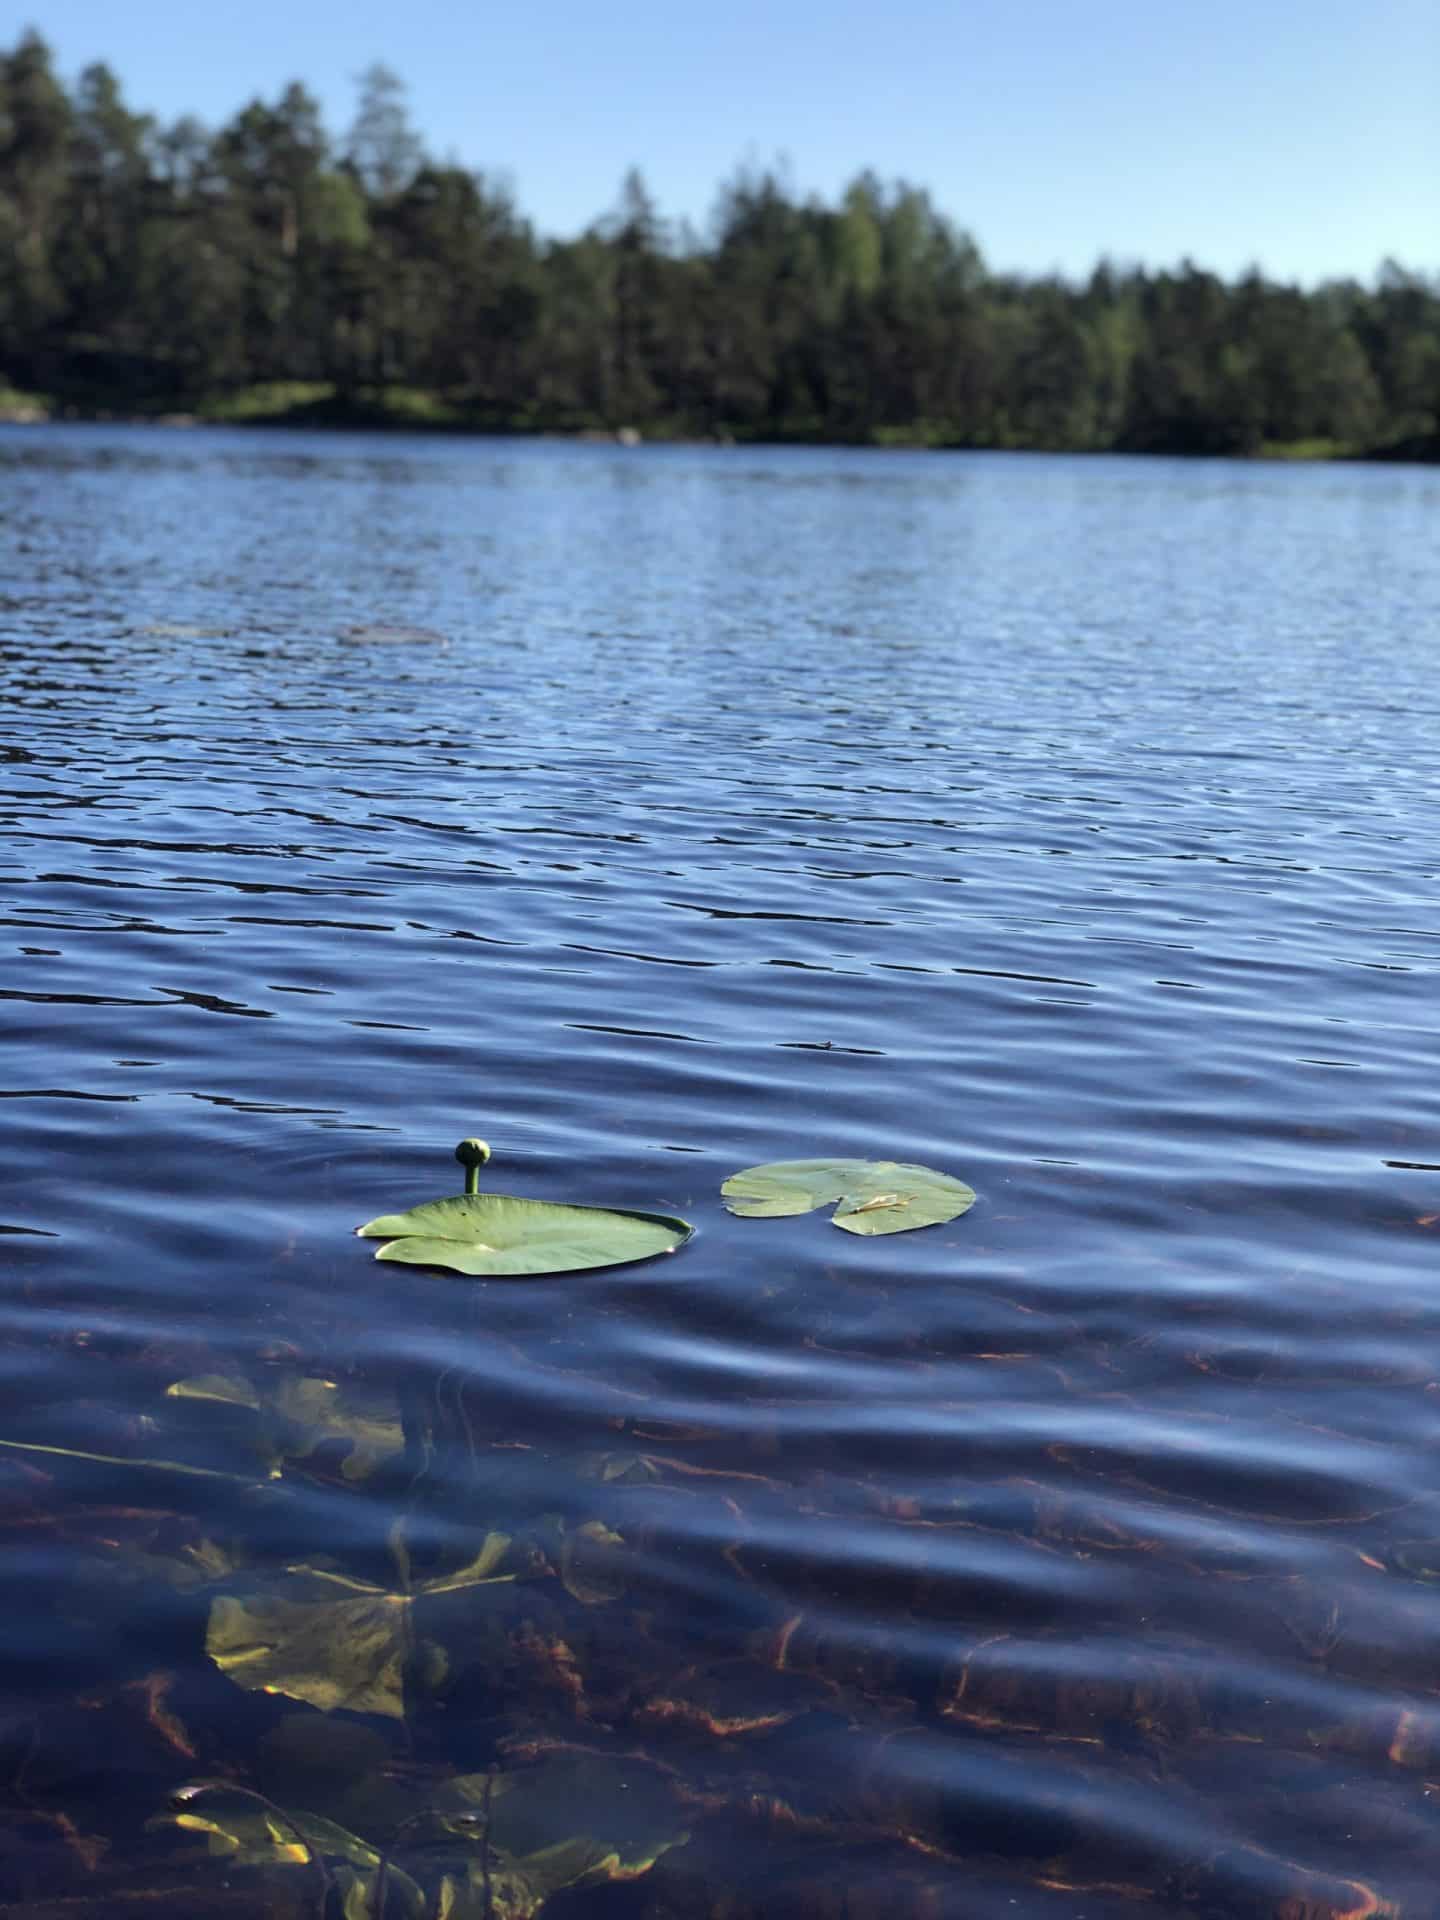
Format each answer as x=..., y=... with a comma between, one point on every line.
x=333, y=1641
x=502, y=1233
x=873, y=1196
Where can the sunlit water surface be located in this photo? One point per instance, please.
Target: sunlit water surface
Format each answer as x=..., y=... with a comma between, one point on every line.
x=1069, y=825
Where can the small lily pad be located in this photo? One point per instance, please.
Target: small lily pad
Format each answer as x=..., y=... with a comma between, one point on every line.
x=870, y=1196
x=503, y=1233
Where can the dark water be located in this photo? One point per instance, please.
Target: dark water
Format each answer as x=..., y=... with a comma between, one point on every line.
x=1069, y=825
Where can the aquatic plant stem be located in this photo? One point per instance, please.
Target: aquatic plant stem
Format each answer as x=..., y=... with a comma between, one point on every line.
x=489, y=1913
x=392, y=1845
x=131, y=1460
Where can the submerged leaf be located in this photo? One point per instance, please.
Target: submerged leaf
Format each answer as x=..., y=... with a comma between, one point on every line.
x=501, y=1233
x=244, y=1833
x=192, y=1564
x=618, y=1464
x=332, y=1641
x=298, y=1414
x=313, y=1412
x=478, y=1572
x=563, y=1823
x=246, y=1840
x=307, y=1758
x=333, y=1654
x=873, y=1196
x=592, y=1566
x=252, y=1836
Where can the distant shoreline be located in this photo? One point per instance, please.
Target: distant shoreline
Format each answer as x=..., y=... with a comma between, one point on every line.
x=416, y=411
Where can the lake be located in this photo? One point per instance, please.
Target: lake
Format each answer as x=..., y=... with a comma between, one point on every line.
x=1066, y=824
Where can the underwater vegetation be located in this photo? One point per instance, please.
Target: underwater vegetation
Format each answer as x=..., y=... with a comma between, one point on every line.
x=477, y=1709
x=524, y=1673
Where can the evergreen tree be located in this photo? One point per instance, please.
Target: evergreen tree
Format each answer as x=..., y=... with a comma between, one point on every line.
x=35, y=124
x=149, y=266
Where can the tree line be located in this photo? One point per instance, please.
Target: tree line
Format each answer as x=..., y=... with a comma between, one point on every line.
x=152, y=267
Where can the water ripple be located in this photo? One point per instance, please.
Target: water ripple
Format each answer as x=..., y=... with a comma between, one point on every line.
x=1052, y=821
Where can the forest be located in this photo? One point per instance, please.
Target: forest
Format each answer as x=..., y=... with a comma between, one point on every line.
x=274, y=269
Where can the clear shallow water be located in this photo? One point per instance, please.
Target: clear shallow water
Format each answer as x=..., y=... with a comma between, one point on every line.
x=1067, y=824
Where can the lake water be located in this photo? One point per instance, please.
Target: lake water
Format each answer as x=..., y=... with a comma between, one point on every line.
x=1067, y=824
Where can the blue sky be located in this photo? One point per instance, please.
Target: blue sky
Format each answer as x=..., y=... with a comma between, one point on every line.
x=1302, y=134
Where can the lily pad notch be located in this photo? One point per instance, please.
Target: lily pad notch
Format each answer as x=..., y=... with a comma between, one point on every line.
x=502, y=1233
x=869, y=1196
